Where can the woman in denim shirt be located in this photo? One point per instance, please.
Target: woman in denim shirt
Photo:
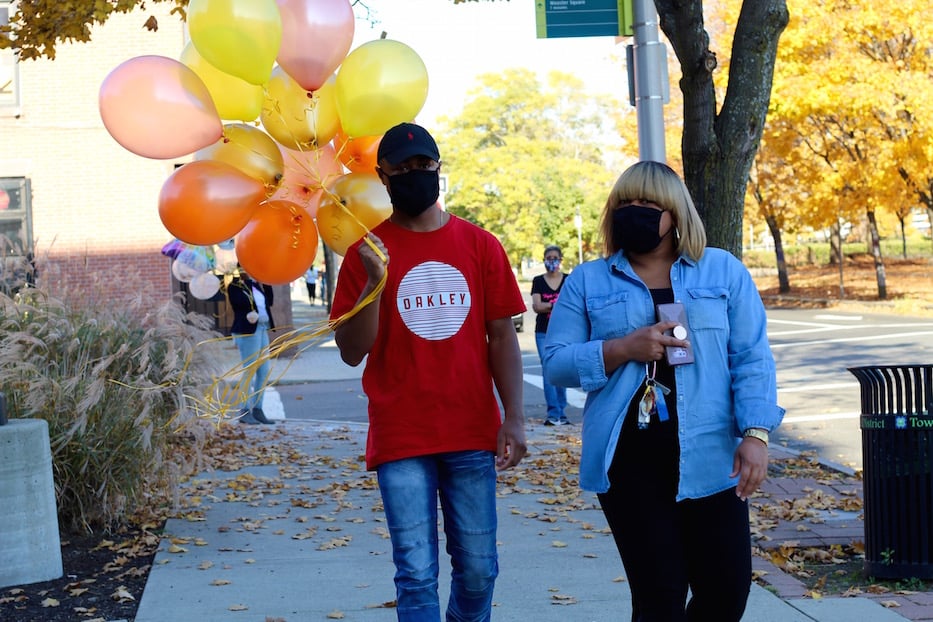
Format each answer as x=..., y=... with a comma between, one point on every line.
x=673, y=451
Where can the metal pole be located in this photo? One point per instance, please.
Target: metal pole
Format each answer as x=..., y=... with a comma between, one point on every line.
x=649, y=92
x=578, y=221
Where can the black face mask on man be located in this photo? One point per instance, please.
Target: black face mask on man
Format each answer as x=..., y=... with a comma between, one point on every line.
x=415, y=191
x=636, y=228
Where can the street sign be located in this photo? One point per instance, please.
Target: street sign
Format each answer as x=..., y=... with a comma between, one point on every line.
x=583, y=18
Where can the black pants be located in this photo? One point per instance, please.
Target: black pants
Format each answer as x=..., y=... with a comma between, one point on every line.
x=312, y=287
x=666, y=547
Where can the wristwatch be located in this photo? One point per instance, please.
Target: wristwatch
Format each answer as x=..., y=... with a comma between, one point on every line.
x=761, y=435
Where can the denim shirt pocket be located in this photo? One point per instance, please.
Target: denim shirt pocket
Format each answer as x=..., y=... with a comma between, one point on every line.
x=608, y=315
x=708, y=308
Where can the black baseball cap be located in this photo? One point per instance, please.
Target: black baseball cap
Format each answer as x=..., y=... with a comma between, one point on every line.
x=404, y=141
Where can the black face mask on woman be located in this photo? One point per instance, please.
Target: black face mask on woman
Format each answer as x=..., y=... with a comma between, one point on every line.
x=635, y=228
x=415, y=191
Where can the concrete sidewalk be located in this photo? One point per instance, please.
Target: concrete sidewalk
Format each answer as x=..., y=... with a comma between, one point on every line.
x=304, y=539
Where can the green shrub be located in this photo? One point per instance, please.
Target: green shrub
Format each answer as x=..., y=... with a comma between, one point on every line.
x=118, y=384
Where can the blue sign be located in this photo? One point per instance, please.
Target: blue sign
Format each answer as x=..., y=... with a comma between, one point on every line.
x=583, y=18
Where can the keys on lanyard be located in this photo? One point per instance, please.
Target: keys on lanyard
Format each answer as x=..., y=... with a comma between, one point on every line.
x=652, y=400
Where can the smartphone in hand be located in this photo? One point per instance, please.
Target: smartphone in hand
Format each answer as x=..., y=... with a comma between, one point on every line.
x=675, y=312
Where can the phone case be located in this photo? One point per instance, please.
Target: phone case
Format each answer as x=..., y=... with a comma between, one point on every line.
x=675, y=312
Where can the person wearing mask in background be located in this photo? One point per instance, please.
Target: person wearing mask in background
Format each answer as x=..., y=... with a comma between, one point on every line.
x=436, y=340
x=544, y=291
x=673, y=450
x=251, y=302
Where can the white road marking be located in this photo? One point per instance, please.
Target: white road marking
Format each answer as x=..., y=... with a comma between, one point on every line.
x=824, y=417
x=819, y=387
x=575, y=397
x=779, y=346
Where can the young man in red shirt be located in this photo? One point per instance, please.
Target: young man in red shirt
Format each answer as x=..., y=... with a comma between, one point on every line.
x=435, y=339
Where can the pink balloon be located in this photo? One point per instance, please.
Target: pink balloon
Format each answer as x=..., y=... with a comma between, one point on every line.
x=316, y=36
x=306, y=175
x=158, y=108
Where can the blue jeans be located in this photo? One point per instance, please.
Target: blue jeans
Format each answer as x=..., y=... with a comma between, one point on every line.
x=250, y=346
x=466, y=484
x=555, y=397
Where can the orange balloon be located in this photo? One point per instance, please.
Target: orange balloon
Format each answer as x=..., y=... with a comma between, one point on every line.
x=354, y=205
x=206, y=202
x=306, y=175
x=278, y=244
x=250, y=150
x=357, y=154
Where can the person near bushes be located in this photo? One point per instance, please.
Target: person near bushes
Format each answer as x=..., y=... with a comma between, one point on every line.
x=251, y=302
x=436, y=338
x=672, y=451
x=545, y=288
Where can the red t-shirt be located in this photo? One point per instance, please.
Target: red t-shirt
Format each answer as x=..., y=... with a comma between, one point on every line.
x=427, y=375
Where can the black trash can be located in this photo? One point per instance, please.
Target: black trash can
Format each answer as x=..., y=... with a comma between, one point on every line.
x=897, y=465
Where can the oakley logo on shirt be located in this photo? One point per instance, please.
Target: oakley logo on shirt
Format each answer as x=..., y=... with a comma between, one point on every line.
x=434, y=300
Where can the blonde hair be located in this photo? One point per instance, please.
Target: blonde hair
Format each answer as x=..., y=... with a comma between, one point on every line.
x=661, y=185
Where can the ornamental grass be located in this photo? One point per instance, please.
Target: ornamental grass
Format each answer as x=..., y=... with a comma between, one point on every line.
x=122, y=387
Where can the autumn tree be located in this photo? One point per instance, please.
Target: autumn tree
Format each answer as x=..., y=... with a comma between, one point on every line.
x=853, y=84
x=524, y=155
x=718, y=144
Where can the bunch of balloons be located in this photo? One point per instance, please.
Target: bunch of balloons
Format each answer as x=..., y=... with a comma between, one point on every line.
x=279, y=135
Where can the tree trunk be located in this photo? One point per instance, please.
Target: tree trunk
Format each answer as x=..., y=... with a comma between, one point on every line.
x=330, y=276
x=876, y=255
x=783, y=282
x=836, y=241
x=901, y=219
x=718, y=150
x=930, y=218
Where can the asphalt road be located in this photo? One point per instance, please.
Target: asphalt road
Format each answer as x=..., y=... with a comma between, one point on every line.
x=813, y=350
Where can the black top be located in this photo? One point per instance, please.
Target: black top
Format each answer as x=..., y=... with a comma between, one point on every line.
x=539, y=286
x=240, y=295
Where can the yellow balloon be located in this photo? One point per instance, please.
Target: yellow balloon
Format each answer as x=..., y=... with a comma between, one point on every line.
x=380, y=84
x=251, y=151
x=296, y=118
x=239, y=37
x=366, y=200
x=234, y=98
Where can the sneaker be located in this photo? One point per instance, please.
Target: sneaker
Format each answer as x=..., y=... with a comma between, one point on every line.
x=260, y=416
x=564, y=421
x=246, y=417
x=552, y=422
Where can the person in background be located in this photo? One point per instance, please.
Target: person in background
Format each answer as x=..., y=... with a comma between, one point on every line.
x=311, y=282
x=672, y=451
x=544, y=291
x=251, y=302
x=436, y=339
x=322, y=277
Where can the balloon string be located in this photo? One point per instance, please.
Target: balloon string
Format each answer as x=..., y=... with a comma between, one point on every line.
x=219, y=402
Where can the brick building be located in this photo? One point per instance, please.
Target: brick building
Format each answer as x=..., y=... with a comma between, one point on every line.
x=71, y=195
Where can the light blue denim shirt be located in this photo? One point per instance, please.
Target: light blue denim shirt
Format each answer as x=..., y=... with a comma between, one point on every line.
x=731, y=387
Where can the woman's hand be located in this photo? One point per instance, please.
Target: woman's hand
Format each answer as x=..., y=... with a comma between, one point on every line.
x=751, y=465
x=252, y=317
x=643, y=345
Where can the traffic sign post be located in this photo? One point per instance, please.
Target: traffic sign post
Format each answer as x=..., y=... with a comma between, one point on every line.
x=583, y=18
x=647, y=58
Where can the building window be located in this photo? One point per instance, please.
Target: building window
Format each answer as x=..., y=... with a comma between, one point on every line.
x=18, y=260
x=9, y=71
